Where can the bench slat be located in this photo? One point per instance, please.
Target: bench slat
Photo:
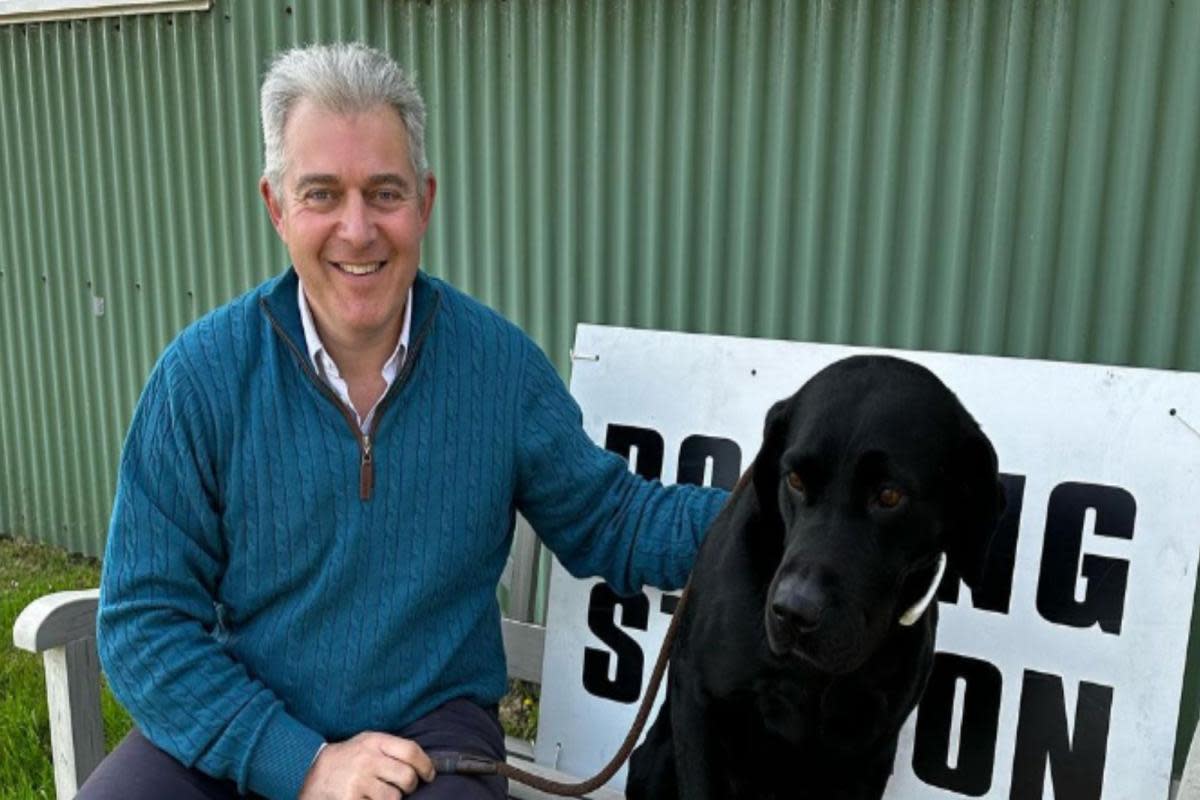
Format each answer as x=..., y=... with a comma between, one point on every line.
x=524, y=645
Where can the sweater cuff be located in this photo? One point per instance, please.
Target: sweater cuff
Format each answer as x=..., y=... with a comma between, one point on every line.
x=281, y=757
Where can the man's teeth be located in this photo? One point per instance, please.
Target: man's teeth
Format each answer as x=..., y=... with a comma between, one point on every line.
x=360, y=269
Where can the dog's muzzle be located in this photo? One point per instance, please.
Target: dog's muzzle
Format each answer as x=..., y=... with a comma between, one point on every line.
x=917, y=609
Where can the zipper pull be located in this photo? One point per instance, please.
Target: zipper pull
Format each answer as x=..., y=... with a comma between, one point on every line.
x=366, y=471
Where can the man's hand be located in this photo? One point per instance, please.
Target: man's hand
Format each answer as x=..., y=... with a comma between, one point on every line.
x=371, y=765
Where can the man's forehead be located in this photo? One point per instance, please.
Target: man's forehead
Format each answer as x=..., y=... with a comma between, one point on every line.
x=306, y=108
x=324, y=146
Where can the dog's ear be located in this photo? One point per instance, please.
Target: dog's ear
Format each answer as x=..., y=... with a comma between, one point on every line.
x=765, y=470
x=977, y=502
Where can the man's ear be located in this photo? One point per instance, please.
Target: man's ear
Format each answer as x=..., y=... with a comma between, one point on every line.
x=977, y=502
x=765, y=470
x=430, y=191
x=274, y=206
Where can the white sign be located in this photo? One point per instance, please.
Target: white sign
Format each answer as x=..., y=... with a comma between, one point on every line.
x=1061, y=679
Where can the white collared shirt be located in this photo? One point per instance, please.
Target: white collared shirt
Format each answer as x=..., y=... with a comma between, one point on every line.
x=328, y=370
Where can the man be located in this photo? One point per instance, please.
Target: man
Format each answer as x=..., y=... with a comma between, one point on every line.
x=317, y=494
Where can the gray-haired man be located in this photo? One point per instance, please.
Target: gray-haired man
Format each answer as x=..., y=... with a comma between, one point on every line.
x=317, y=494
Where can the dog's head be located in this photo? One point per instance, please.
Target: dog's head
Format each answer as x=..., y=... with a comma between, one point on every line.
x=868, y=476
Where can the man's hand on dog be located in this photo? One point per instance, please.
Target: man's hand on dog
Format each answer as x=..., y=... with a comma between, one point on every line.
x=371, y=765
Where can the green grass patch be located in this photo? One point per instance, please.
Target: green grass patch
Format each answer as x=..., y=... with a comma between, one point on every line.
x=28, y=571
x=519, y=710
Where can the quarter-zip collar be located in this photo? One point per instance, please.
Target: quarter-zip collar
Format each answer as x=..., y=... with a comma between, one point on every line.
x=283, y=312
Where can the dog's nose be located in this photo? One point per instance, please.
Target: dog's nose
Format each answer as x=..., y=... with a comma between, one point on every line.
x=798, y=604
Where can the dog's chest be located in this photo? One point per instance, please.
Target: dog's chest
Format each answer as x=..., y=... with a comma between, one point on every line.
x=786, y=710
x=825, y=716
x=785, y=739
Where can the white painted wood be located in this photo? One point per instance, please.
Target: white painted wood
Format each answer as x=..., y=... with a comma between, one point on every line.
x=76, y=727
x=56, y=619
x=522, y=595
x=518, y=749
x=524, y=646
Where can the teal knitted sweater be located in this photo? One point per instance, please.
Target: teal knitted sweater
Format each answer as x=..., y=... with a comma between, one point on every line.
x=273, y=579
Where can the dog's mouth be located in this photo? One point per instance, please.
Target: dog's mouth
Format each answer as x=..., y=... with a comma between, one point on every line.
x=832, y=649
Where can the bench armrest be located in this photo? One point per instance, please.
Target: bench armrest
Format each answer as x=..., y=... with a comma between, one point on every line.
x=62, y=627
x=57, y=620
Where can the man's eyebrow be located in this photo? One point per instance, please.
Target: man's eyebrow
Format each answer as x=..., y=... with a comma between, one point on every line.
x=386, y=178
x=322, y=179
x=316, y=179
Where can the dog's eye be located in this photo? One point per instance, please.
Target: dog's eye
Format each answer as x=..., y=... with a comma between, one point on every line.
x=889, y=497
x=795, y=481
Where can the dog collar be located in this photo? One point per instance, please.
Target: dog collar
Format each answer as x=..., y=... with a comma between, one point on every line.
x=915, y=611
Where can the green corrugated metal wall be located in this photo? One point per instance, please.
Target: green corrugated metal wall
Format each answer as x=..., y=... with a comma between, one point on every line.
x=1014, y=178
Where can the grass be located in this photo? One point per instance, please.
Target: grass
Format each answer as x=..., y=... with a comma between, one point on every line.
x=28, y=571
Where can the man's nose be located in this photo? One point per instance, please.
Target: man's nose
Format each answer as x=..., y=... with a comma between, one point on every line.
x=356, y=225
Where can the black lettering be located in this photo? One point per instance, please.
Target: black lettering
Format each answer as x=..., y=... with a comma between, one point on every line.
x=1076, y=767
x=726, y=461
x=642, y=447
x=995, y=590
x=626, y=686
x=969, y=771
x=1104, y=600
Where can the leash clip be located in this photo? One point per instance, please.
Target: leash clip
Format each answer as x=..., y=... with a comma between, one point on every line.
x=462, y=764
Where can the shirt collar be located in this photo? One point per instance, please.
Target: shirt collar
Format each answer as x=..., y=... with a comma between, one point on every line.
x=316, y=347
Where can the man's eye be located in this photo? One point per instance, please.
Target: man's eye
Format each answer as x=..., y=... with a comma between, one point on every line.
x=318, y=195
x=389, y=196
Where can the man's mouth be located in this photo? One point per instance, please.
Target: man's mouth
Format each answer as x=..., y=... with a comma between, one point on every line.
x=359, y=268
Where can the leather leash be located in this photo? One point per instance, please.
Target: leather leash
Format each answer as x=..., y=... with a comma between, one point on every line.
x=464, y=764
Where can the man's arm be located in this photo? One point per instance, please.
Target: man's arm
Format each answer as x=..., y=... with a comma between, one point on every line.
x=597, y=516
x=163, y=560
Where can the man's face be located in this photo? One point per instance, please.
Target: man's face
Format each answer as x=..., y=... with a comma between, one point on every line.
x=351, y=216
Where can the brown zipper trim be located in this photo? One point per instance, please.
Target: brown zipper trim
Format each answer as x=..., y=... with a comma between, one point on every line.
x=366, y=463
x=366, y=469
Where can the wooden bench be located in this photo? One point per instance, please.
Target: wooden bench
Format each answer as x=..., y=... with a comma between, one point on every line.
x=62, y=627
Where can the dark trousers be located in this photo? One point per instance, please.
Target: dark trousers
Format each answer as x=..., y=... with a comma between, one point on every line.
x=137, y=770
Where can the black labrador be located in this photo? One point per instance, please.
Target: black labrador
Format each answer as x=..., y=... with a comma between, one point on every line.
x=808, y=633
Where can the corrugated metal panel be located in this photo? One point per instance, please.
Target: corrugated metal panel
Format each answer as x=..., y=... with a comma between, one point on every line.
x=1016, y=178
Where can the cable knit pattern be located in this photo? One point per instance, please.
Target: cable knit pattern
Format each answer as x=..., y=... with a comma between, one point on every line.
x=253, y=606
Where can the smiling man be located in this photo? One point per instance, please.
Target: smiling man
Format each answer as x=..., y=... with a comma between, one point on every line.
x=317, y=493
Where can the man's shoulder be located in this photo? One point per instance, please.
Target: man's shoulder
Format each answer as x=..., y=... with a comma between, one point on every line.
x=226, y=335
x=468, y=312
